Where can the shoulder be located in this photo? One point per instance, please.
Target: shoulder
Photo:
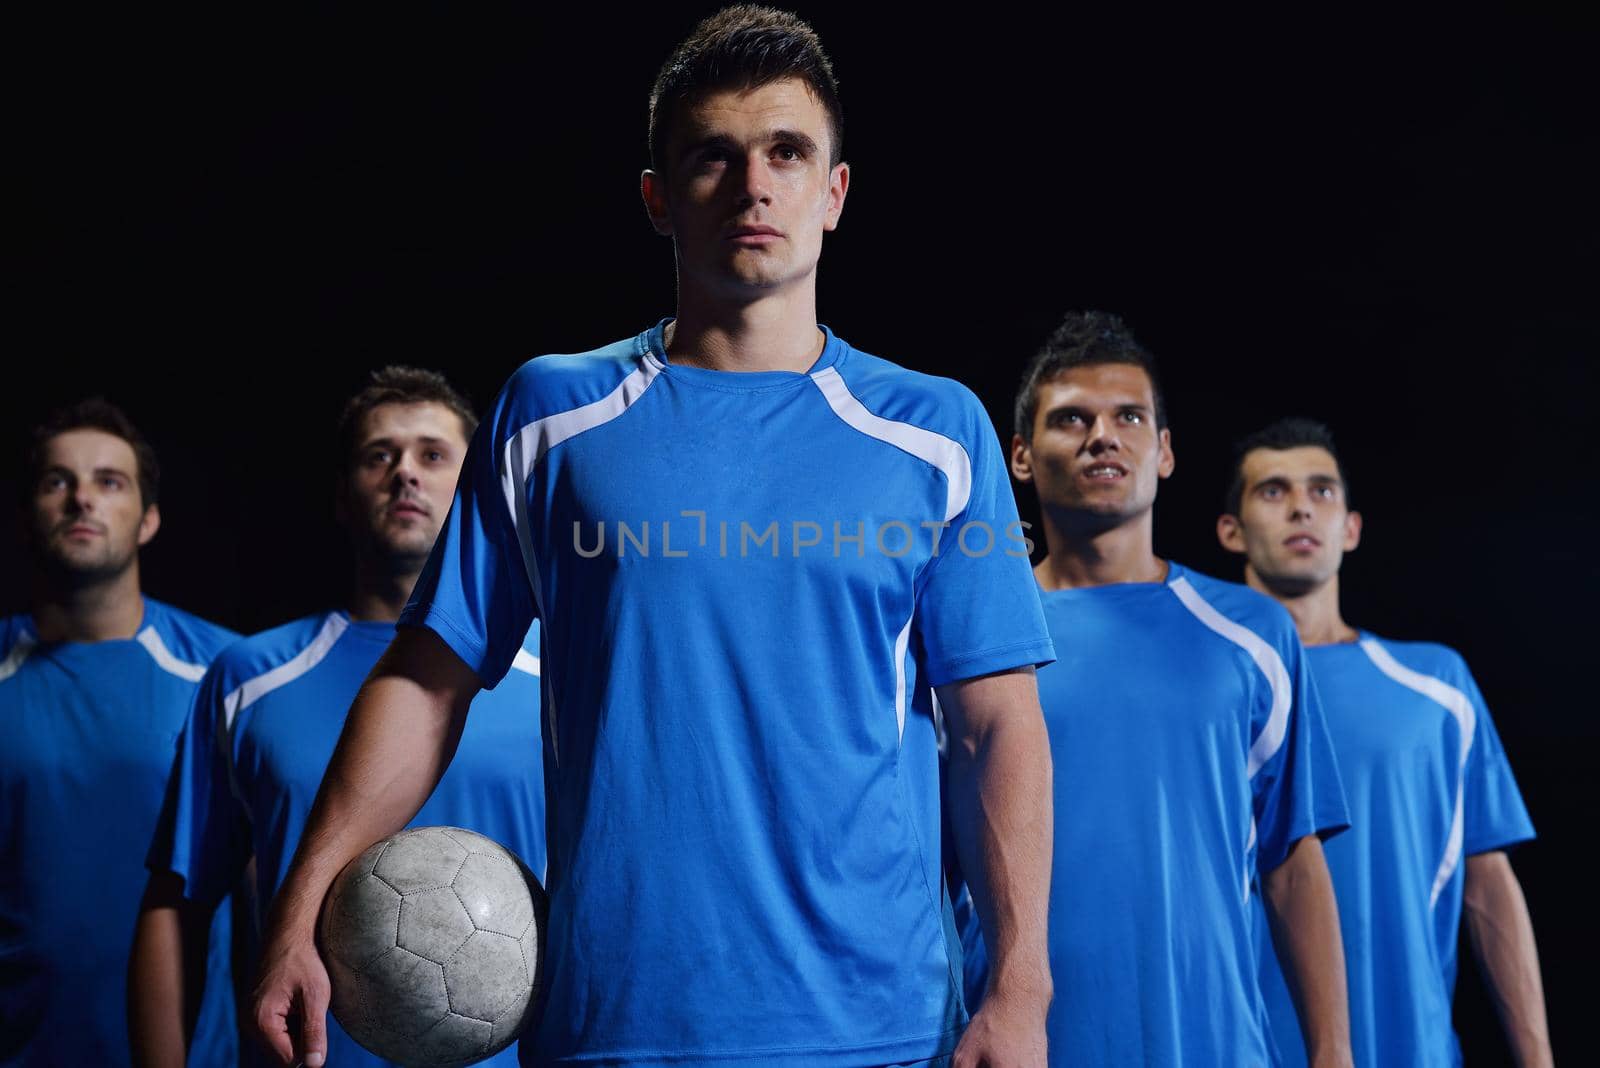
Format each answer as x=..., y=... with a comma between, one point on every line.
x=1237, y=604
x=549, y=385
x=889, y=391
x=187, y=635
x=274, y=654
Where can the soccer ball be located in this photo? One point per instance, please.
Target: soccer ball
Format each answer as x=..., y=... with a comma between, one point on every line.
x=432, y=939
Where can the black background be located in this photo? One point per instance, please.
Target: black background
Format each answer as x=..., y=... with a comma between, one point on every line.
x=228, y=217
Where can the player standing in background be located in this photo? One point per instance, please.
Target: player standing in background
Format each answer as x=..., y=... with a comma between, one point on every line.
x=94, y=687
x=1192, y=770
x=1426, y=778
x=744, y=850
x=270, y=710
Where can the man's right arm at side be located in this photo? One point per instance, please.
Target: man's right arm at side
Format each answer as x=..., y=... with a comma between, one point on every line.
x=399, y=737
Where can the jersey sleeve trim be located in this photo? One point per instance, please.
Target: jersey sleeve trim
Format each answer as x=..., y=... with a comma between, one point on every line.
x=1458, y=705
x=934, y=449
x=152, y=643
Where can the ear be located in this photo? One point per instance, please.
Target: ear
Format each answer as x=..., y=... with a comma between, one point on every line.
x=1230, y=532
x=1352, y=531
x=653, y=188
x=149, y=523
x=1168, y=461
x=1021, y=459
x=838, y=186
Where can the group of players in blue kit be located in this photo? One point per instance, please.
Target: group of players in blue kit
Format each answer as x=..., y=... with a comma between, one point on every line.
x=1188, y=821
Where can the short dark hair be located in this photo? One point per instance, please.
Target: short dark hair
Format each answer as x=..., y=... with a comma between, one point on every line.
x=400, y=385
x=1293, y=432
x=743, y=47
x=95, y=413
x=1084, y=339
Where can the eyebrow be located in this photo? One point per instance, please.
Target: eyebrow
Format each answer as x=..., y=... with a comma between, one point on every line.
x=803, y=141
x=61, y=469
x=423, y=439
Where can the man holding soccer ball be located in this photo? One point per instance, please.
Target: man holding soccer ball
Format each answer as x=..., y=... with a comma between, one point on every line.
x=754, y=548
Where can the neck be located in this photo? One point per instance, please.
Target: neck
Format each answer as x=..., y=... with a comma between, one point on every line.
x=777, y=332
x=100, y=612
x=381, y=593
x=1315, y=611
x=1084, y=553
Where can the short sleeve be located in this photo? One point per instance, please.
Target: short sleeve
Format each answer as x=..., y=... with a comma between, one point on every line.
x=1296, y=790
x=203, y=834
x=1493, y=813
x=978, y=606
x=474, y=592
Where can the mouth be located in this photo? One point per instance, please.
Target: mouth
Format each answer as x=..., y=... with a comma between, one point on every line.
x=754, y=236
x=1302, y=543
x=408, y=510
x=82, y=530
x=1104, y=472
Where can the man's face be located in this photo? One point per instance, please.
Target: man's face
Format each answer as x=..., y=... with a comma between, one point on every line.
x=88, y=517
x=1294, y=525
x=401, y=479
x=746, y=191
x=1096, y=450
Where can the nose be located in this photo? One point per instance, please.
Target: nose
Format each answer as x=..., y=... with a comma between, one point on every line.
x=1103, y=435
x=405, y=469
x=1299, y=505
x=755, y=181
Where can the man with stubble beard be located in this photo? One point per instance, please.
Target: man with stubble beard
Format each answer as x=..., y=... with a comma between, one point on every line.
x=95, y=683
x=272, y=708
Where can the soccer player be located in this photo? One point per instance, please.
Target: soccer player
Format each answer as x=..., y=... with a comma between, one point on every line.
x=1192, y=771
x=270, y=710
x=1433, y=803
x=729, y=523
x=94, y=687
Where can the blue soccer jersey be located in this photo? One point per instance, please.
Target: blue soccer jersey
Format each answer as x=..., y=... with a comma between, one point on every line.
x=1190, y=755
x=264, y=727
x=90, y=730
x=1428, y=785
x=744, y=578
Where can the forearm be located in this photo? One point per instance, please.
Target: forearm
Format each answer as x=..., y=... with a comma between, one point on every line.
x=166, y=975
x=1304, y=918
x=396, y=743
x=1002, y=820
x=1502, y=939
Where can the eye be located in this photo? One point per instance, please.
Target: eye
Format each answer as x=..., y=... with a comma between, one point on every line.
x=111, y=482
x=788, y=153
x=1324, y=492
x=1133, y=417
x=1271, y=493
x=378, y=456
x=434, y=456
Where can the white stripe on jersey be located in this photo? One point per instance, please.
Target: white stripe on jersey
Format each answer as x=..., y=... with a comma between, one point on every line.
x=935, y=449
x=526, y=663
x=19, y=653
x=252, y=690
x=1270, y=740
x=165, y=660
x=1458, y=705
x=522, y=453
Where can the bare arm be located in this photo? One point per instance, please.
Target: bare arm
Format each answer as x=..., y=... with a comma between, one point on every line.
x=397, y=741
x=166, y=973
x=1502, y=940
x=1001, y=815
x=1305, y=933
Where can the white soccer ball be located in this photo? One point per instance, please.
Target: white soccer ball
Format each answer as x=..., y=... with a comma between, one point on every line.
x=432, y=939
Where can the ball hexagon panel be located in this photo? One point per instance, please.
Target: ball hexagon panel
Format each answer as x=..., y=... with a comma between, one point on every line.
x=486, y=976
x=495, y=895
x=423, y=859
